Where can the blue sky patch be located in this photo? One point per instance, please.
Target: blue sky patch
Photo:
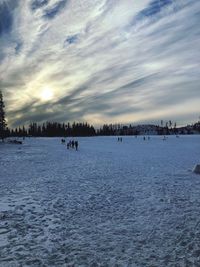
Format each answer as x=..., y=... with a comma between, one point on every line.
x=71, y=39
x=153, y=8
x=6, y=19
x=36, y=4
x=50, y=13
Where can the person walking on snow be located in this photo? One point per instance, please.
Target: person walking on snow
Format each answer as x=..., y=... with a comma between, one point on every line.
x=73, y=143
x=76, y=145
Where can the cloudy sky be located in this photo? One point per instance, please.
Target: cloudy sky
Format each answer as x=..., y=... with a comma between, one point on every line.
x=100, y=60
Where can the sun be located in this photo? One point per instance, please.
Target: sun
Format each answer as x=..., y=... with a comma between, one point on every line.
x=46, y=94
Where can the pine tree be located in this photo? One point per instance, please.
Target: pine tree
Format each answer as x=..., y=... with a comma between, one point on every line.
x=2, y=118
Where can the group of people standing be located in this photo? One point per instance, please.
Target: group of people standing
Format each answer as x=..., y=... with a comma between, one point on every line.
x=72, y=144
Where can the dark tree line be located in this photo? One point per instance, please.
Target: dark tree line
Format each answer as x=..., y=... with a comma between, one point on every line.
x=117, y=129
x=54, y=129
x=165, y=128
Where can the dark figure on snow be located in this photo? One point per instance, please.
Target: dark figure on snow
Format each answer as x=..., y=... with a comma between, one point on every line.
x=68, y=145
x=76, y=145
x=73, y=143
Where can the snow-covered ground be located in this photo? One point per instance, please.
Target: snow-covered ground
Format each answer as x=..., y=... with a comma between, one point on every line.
x=135, y=203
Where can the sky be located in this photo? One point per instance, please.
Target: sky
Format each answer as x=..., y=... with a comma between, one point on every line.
x=101, y=61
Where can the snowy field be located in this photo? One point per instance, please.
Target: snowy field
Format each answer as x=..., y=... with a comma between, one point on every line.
x=135, y=203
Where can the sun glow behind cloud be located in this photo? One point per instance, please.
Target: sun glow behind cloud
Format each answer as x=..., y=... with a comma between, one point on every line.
x=46, y=94
x=104, y=60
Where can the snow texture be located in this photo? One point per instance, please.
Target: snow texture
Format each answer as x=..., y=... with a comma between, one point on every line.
x=131, y=203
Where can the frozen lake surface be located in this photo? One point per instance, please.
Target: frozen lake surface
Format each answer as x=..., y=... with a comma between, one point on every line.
x=135, y=203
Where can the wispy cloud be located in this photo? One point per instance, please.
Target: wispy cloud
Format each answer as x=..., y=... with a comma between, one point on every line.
x=103, y=60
